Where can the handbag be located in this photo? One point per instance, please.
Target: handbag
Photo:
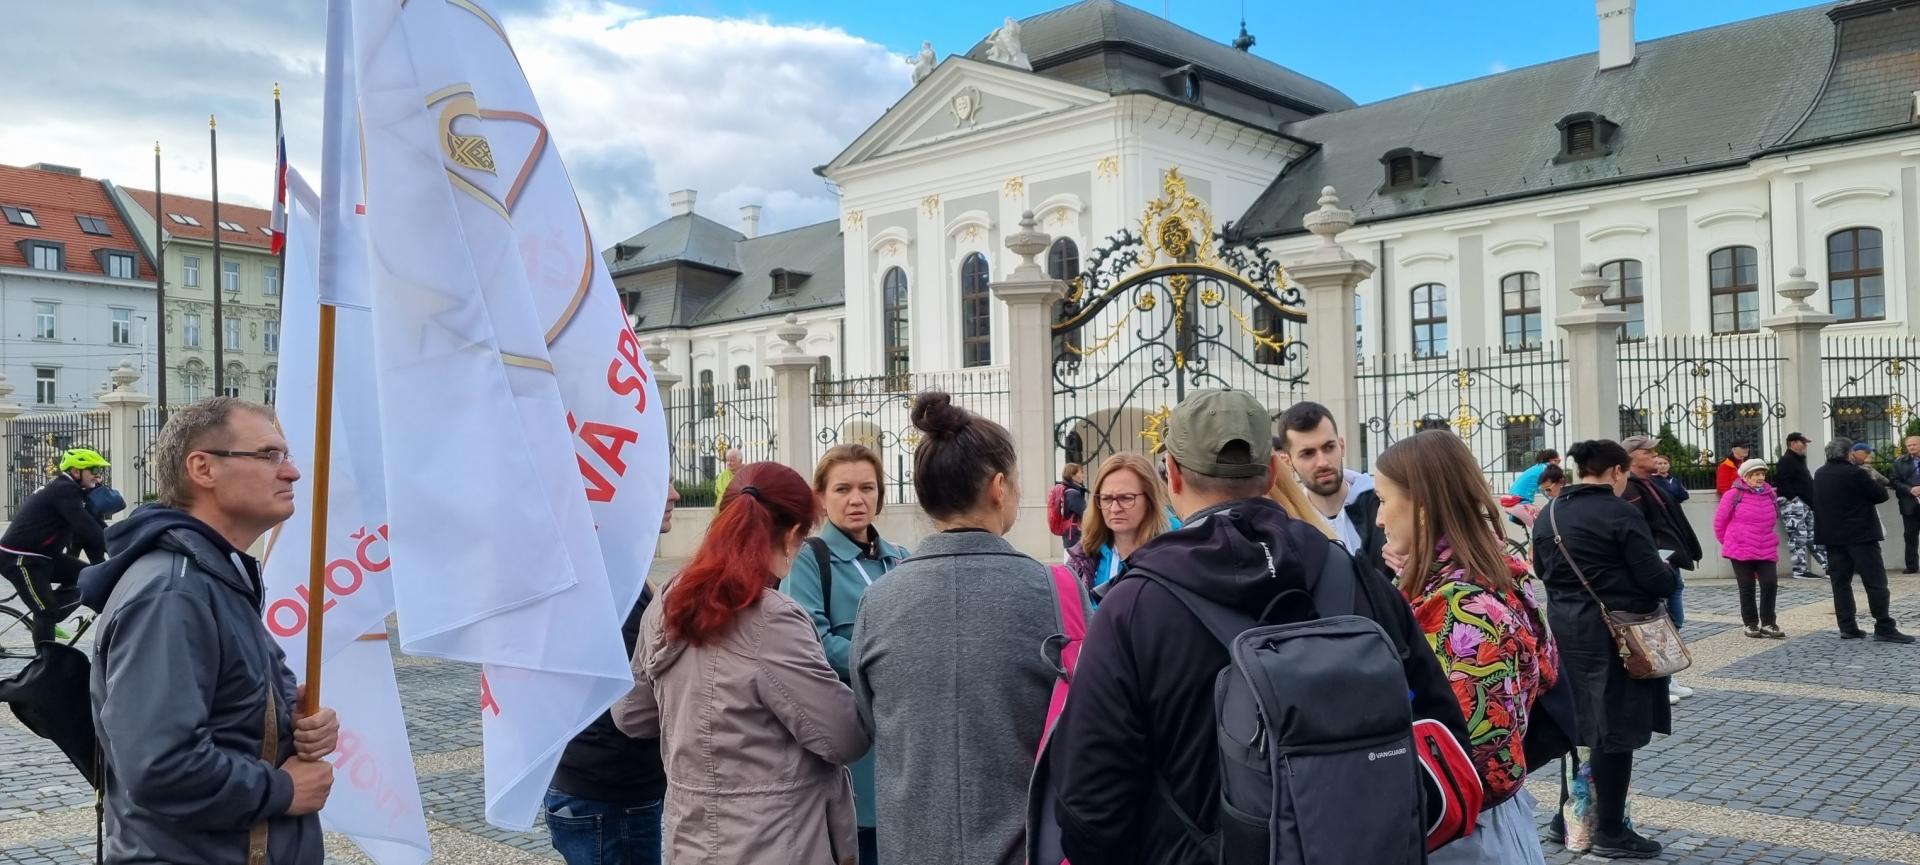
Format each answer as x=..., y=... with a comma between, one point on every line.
x=1650, y=646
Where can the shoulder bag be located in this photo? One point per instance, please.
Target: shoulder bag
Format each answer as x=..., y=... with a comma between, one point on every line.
x=1650, y=646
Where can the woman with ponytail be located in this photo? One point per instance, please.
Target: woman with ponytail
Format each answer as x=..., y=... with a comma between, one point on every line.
x=948, y=660
x=755, y=728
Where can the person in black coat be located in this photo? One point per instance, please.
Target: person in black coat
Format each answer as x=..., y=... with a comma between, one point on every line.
x=1845, y=498
x=1614, y=714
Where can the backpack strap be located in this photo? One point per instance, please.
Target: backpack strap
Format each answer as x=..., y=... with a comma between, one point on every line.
x=1223, y=622
x=269, y=752
x=1073, y=631
x=1335, y=593
x=824, y=560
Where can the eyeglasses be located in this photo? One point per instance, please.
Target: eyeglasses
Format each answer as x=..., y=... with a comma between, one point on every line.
x=1118, y=501
x=271, y=456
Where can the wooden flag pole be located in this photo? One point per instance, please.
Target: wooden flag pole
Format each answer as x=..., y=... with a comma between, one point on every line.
x=317, y=545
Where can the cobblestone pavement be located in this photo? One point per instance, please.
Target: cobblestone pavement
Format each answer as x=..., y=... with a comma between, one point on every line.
x=1791, y=753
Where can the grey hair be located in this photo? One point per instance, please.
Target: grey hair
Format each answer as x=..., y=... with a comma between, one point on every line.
x=201, y=425
x=1838, y=448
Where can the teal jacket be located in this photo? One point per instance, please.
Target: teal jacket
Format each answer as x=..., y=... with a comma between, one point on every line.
x=836, y=636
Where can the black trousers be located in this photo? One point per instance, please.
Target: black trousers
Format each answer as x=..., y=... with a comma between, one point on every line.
x=1910, y=525
x=1843, y=561
x=1764, y=576
x=45, y=587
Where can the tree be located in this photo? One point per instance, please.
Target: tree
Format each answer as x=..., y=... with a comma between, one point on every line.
x=1668, y=445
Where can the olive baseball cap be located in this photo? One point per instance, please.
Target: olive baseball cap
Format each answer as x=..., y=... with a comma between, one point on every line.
x=1206, y=425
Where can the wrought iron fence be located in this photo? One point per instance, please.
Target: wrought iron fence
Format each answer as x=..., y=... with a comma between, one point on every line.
x=878, y=412
x=35, y=443
x=1506, y=406
x=139, y=482
x=1702, y=395
x=706, y=423
x=1871, y=385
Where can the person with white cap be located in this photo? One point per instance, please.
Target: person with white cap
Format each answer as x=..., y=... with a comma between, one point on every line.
x=1744, y=525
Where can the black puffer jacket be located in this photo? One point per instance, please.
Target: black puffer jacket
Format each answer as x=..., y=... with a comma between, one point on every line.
x=1609, y=539
x=1845, y=498
x=183, y=665
x=1142, y=704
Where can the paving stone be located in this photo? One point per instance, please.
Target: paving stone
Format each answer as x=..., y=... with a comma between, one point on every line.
x=1825, y=660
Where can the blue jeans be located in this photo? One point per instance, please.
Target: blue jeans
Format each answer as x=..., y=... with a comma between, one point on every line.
x=1675, y=608
x=603, y=833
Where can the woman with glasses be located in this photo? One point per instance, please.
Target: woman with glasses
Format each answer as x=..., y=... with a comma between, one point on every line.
x=1126, y=508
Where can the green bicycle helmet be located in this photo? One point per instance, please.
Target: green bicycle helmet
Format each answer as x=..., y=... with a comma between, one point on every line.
x=82, y=458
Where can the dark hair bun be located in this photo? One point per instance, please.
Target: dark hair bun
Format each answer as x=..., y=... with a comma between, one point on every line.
x=935, y=414
x=1580, y=451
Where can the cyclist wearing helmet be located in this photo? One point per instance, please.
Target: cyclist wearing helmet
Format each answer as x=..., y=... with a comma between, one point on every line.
x=36, y=553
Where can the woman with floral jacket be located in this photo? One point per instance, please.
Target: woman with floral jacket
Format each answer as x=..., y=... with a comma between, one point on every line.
x=1475, y=605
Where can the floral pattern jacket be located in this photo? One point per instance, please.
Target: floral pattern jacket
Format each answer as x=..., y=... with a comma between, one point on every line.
x=1497, y=654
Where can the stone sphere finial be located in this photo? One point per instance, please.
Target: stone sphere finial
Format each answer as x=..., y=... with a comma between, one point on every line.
x=125, y=375
x=1330, y=220
x=791, y=333
x=1590, y=286
x=1796, y=288
x=1029, y=242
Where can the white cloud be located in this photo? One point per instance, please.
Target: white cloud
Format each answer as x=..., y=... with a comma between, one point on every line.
x=639, y=105
x=1497, y=67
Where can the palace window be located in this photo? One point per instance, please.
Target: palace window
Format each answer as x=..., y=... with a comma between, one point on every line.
x=1626, y=291
x=1063, y=263
x=976, y=313
x=1734, y=285
x=1856, y=278
x=707, y=406
x=743, y=377
x=1429, y=321
x=898, y=335
x=1520, y=310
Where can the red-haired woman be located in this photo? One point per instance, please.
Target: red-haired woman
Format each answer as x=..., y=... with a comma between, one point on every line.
x=755, y=729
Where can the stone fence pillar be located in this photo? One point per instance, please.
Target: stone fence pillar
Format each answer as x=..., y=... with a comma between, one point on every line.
x=1593, y=360
x=1797, y=330
x=657, y=353
x=793, y=398
x=123, y=403
x=1030, y=296
x=1327, y=277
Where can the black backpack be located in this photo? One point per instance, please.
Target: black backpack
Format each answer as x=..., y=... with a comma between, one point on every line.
x=1321, y=759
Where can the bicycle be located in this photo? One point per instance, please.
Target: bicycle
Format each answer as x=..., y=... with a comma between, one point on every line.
x=16, y=629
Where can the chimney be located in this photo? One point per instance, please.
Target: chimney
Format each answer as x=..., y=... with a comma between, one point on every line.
x=51, y=168
x=1616, y=33
x=750, y=220
x=681, y=202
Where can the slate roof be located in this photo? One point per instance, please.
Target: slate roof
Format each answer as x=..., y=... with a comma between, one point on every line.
x=1052, y=38
x=815, y=250
x=1876, y=69
x=253, y=219
x=56, y=200
x=688, y=238
x=1689, y=102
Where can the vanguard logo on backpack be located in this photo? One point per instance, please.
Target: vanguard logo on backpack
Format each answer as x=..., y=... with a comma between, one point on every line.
x=1321, y=759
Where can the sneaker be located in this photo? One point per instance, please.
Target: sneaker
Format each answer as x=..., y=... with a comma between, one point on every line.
x=1754, y=632
x=1627, y=844
x=1891, y=637
x=1773, y=632
x=1808, y=576
x=1673, y=699
x=1677, y=689
x=61, y=634
x=1852, y=634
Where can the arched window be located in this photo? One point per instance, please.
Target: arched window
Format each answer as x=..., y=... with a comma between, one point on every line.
x=235, y=373
x=1856, y=278
x=706, y=393
x=1626, y=291
x=1733, y=279
x=1429, y=320
x=743, y=377
x=272, y=379
x=976, y=313
x=1063, y=263
x=899, y=337
x=1520, y=310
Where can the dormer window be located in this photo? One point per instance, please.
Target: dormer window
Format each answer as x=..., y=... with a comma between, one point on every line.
x=1585, y=135
x=20, y=216
x=1407, y=169
x=1183, y=82
x=786, y=282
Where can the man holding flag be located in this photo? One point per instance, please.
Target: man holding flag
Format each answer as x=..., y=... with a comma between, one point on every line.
x=205, y=760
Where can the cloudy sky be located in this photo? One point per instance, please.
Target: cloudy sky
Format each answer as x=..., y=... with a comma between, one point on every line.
x=738, y=99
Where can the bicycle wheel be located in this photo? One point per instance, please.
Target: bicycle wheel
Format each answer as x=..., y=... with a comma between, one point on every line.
x=16, y=634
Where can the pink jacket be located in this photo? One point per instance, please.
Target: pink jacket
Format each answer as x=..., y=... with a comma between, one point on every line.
x=1745, y=523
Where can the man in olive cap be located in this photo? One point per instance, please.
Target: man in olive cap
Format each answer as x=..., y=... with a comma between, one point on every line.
x=1143, y=701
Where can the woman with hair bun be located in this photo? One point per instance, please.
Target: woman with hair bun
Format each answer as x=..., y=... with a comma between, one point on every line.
x=948, y=663
x=755, y=729
x=1589, y=525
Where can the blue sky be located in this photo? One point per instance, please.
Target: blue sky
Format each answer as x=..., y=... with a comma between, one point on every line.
x=1369, y=49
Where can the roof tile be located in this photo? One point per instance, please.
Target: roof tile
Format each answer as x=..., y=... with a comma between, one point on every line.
x=57, y=200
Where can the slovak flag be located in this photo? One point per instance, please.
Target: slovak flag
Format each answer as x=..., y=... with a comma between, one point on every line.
x=279, y=221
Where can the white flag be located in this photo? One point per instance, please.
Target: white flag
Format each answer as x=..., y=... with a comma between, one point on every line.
x=517, y=413
x=376, y=794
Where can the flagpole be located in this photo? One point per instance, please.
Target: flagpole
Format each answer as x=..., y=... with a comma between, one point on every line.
x=279, y=143
x=219, y=275
x=160, y=281
x=317, y=545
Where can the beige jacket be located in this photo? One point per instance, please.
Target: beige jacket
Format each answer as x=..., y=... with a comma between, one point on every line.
x=755, y=733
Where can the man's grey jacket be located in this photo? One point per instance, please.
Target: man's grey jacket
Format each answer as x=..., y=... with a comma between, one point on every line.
x=182, y=672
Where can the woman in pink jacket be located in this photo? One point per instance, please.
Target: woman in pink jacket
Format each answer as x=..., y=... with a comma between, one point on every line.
x=1744, y=524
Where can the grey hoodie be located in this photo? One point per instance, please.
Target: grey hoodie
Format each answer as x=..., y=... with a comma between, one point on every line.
x=182, y=669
